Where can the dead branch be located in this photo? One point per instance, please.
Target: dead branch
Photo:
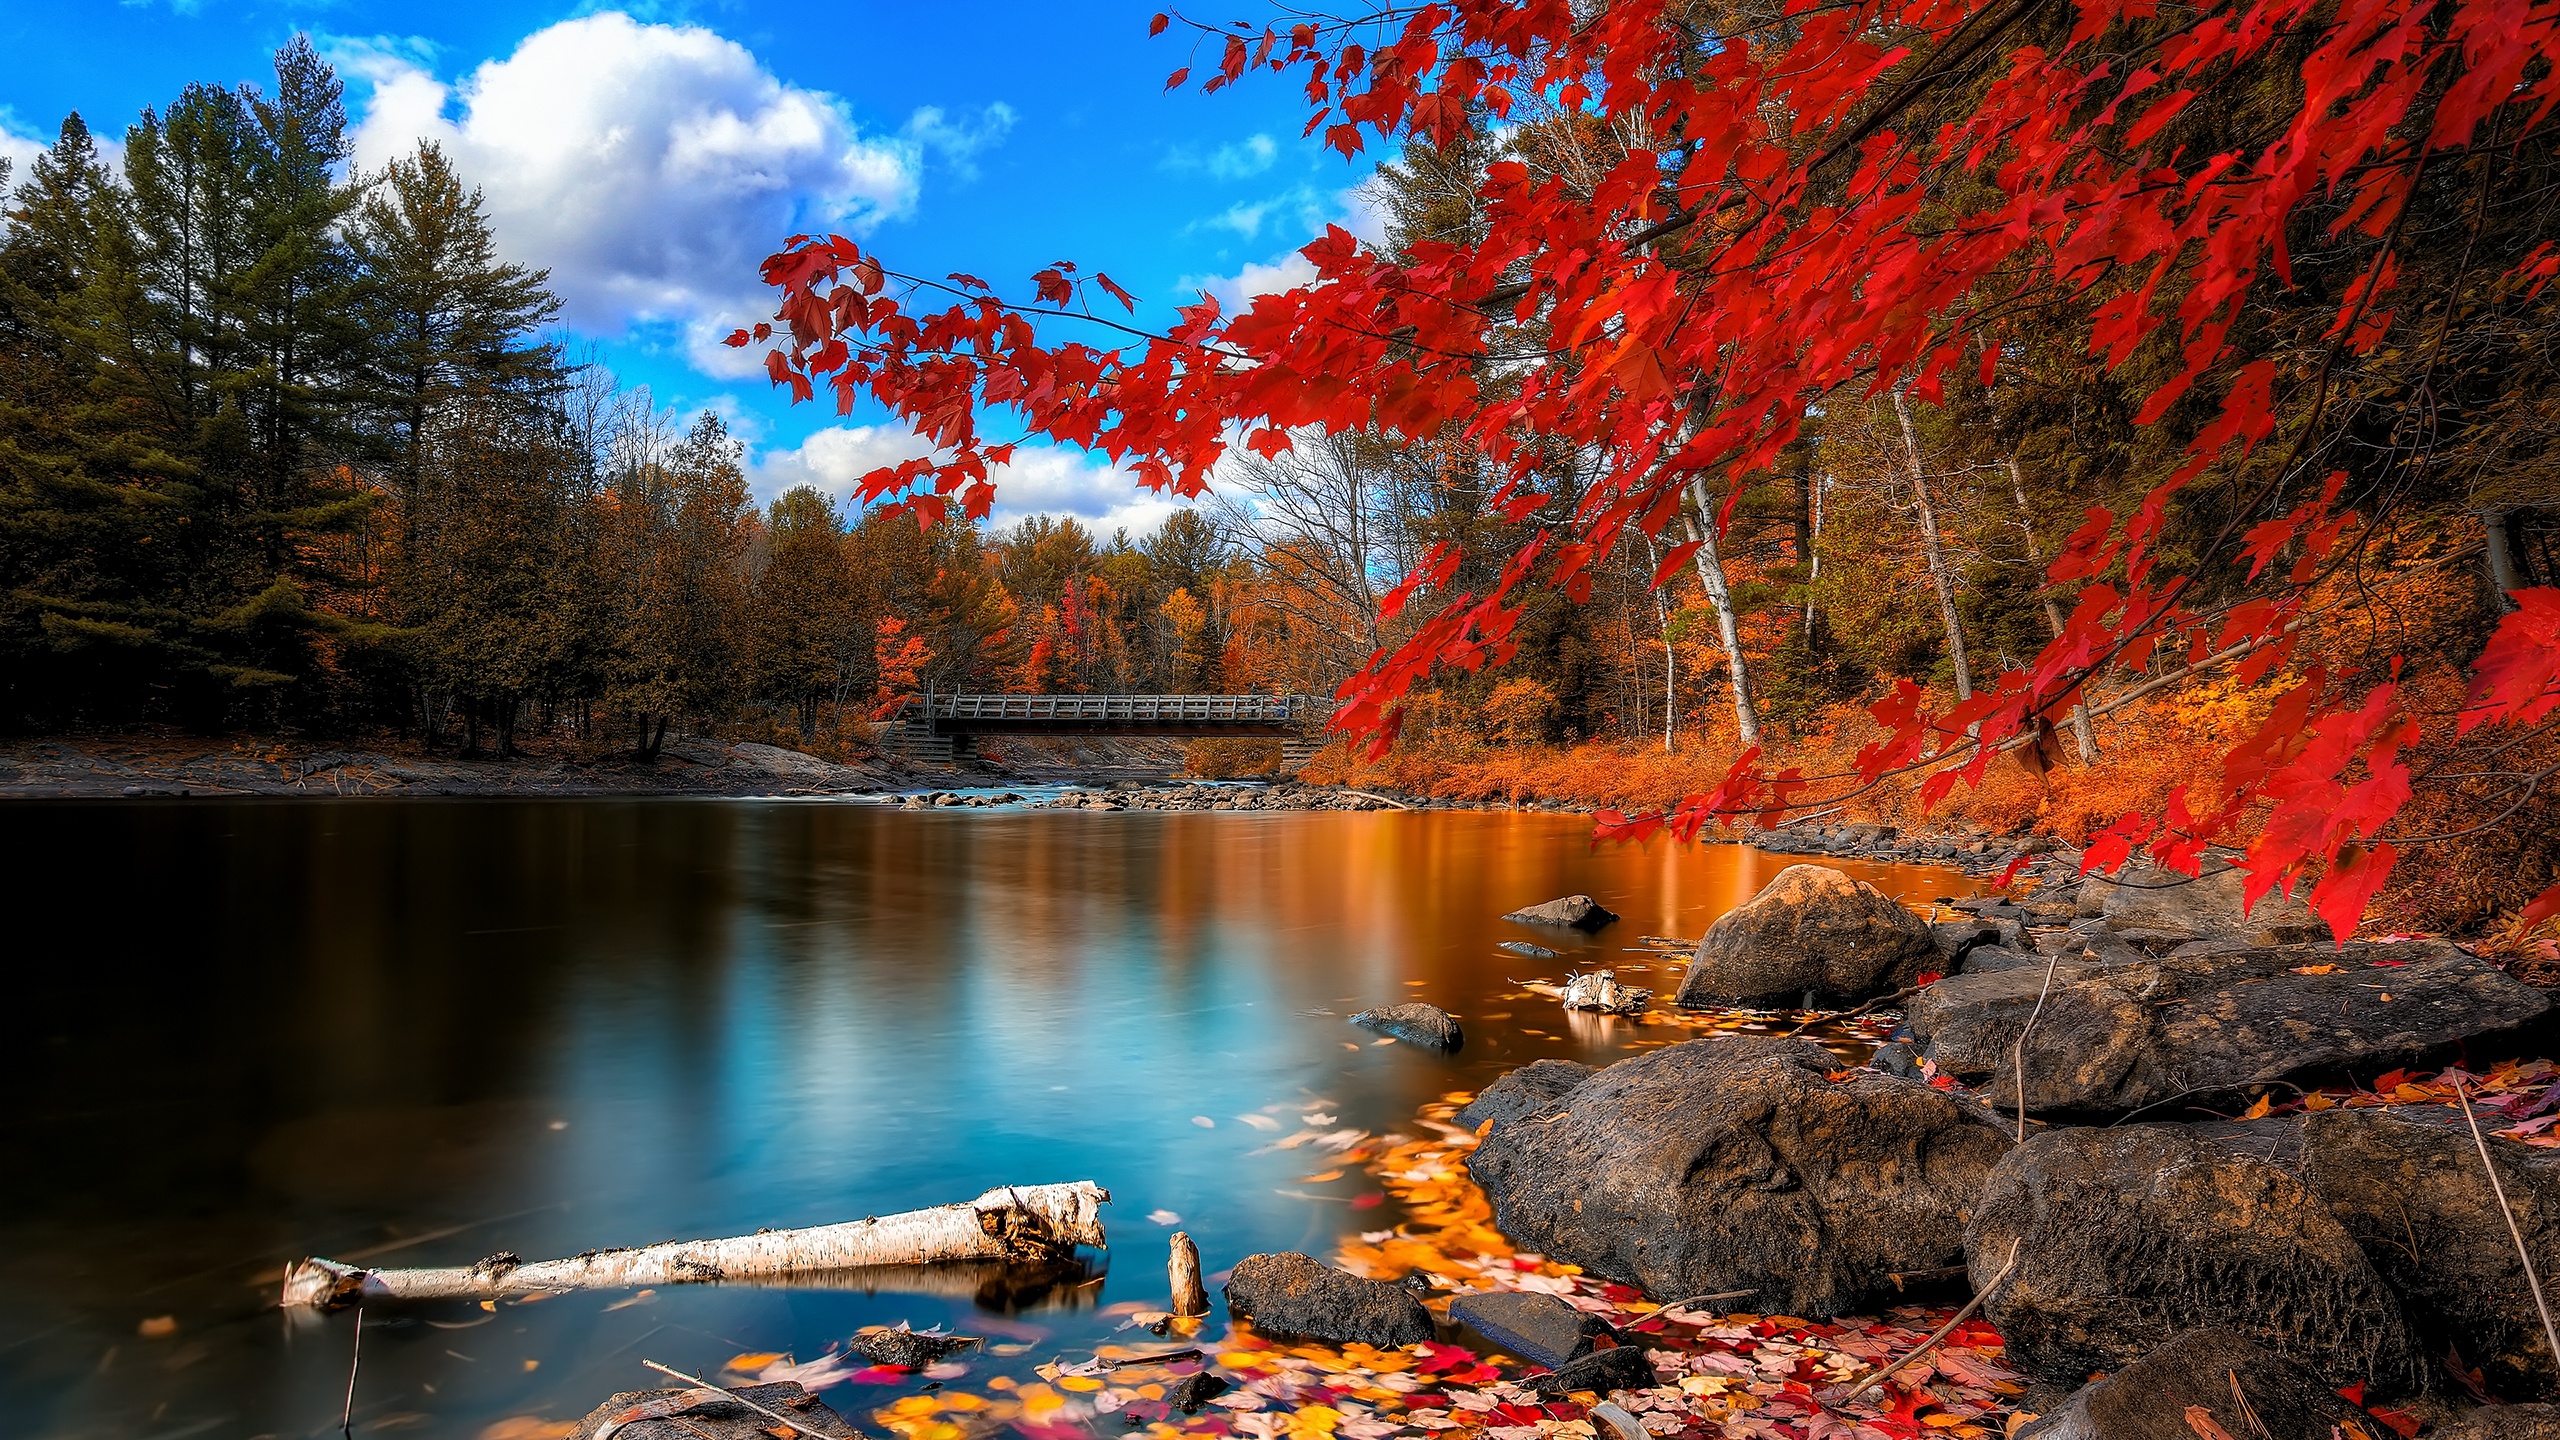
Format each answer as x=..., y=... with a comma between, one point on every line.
x=1015, y=1223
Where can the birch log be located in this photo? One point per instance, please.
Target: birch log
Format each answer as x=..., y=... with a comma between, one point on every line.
x=1017, y=1223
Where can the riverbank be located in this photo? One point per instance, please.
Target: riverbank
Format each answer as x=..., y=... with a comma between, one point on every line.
x=1140, y=775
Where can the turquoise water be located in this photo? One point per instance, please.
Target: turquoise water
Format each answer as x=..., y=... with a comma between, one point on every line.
x=421, y=1032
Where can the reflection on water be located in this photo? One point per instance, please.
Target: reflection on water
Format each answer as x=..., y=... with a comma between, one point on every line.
x=418, y=1033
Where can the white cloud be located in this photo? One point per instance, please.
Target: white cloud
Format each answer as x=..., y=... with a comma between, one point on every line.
x=958, y=142
x=1041, y=480
x=19, y=145
x=1353, y=210
x=650, y=167
x=1240, y=160
x=1235, y=292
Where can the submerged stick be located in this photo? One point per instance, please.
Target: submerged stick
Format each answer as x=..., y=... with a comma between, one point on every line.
x=1018, y=1223
x=355, y=1360
x=2550, y=1336
x=796, y=1427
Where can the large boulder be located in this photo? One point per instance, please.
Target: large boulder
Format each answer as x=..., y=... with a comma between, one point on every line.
x=2212, y=1370
x=1415, y=1023
x=1741, y=1165
x=2125, y=1237
x=1525, y=1091
x=2114, y=1039
x=2412, y=1192
x=1573, y=912
x=1812, y=930
x=1292, y=1294
x=2169, y=907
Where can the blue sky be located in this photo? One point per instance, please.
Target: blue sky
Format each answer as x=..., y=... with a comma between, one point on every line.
x=649, y=155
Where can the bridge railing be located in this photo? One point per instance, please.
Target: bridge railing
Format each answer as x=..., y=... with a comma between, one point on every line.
x=1124, y=709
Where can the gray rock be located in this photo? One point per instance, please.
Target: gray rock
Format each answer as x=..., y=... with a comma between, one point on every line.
x=1622, y=1367
x=2204, y=907
x=1525, y=1091
x=1291, y=1294
x=1738, y=1164
x=1573, y=912
x=2151, y=1398
x=1810, y=929
x=1523, y=947
x=1415, y=1023
x=2125, y=1237
x=1992, y=959
x=2116, y=1039
x=2413, y=1195
x=2503, y=1422
x=1541, y=1329
x=1956, y=939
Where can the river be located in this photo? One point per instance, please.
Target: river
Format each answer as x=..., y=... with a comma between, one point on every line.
x=420, y=1032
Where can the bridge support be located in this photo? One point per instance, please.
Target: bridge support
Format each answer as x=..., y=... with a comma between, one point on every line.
x=924, y=747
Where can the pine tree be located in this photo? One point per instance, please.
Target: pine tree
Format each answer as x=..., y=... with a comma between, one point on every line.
x=447, y=315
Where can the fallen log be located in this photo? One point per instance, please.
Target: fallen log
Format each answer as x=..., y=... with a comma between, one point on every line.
x=1012, y=1223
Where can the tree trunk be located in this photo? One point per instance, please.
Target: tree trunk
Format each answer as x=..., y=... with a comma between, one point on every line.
x=1023, y=1223
x=1670, y=656
x=2501, y=558
x=2080, y=730
x=1746, y=715
x=1934, y=551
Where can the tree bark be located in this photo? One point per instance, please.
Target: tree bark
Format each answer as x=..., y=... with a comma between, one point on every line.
x=1021, y=1223
x=1934, y=551
x=1746, y=715
x=1182, y=1268
x=2080, y=730
x=2501, y=557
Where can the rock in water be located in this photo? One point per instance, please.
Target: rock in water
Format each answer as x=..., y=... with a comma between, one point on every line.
x=1573, y=912
x=898, y=1345
x=2126, y=1237
x=2152, y=1398
x=1738, y=1164
x=650, y=1414
x=2413, y=1194
x=1810, y=929
x=1291, y=1294
x=1523, y=947
x=1525, y=1091
x=2116, y=1038
x=1196, y=1389
x=1601, y=1371
x=2170, y=907
x=1540, y=1329
x=1415, y=1024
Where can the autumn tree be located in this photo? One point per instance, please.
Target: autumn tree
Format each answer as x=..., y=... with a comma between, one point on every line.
x=1864, y=202
x=807, y=642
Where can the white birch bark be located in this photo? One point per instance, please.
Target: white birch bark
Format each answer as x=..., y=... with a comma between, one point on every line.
x=1010, y=1223
x=1934, y=551
x=1746, y=715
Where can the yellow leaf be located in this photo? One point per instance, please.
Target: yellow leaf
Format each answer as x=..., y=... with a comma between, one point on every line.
x=2201, y=1421
x=1942, y=1421
x=750, y=1363
x=1320, y=1179
x=1079, y=1382
x=2318, y=1102
x=2259, y=1110
x=2315, y=969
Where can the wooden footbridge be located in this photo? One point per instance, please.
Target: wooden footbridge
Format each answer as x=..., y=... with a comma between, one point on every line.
x=943, y=728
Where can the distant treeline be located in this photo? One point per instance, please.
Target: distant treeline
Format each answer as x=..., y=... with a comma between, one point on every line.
x=284, y=445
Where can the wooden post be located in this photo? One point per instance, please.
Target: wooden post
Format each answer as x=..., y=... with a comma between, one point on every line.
x=1189, y=1298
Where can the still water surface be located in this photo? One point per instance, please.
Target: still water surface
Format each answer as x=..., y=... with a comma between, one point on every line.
x=420, y=1032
